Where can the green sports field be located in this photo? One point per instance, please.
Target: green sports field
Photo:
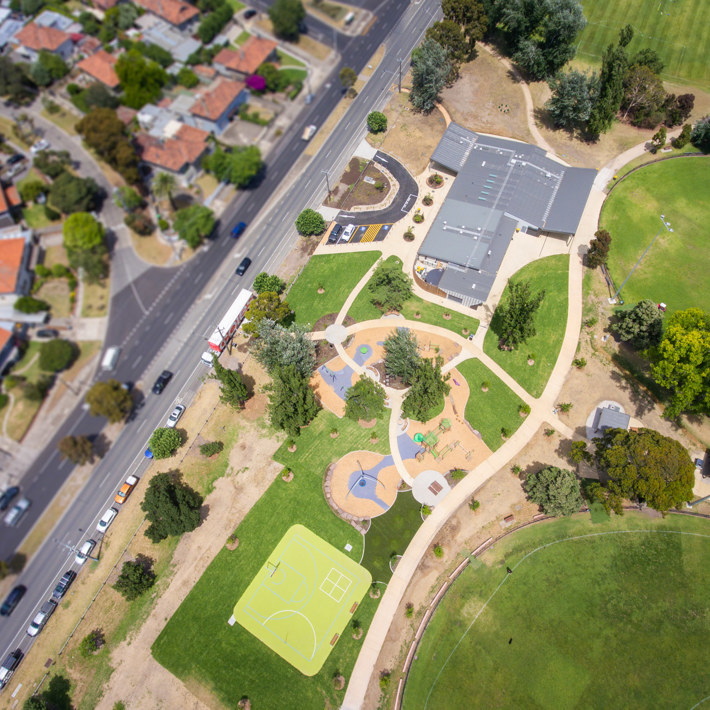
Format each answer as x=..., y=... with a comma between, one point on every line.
x=676, y=269
x=612, y=615
x=302, y=599
x=679, y=30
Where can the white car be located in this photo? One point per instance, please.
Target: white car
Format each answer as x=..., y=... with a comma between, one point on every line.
x=347, y=233
x=39, y=146
x=106, y=520
x=175, y=416
x=85, y=551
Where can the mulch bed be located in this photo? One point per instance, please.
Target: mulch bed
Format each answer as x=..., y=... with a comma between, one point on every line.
x=394, y=382
x=324, y=352
x=325, y=321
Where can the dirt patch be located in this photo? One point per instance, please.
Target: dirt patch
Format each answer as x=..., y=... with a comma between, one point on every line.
x=151, y=248
x=368, y=187
x=297, y=258
x=487, y=98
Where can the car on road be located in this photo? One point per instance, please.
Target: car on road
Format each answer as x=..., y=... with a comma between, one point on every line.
x=163, y=378
x=64, y=583
x=41, y=617
x=17, y=511
x=12, y=600
x=335, y=233
x=348, y=233
x=106, y=519
x=207, y=358
x=245, y=264
x=39, y=146
x=47, y=333
x=14, y=159
x=85, y=551
x=239, y=227
x=175, y=416
x=9, y=666
x=248, y=14
x=7, y=496
x=14, y=170
x=309, y=132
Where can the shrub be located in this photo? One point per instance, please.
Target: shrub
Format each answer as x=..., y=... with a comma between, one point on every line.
x=474, y=504
x=504, y=432
x=438, y=551
x=409, y=610
x=426, y=511
x=549, y=432
x=436, y=179
x=28, y=304
x=524, y=409
x=427, y=200
x=409, y=235
x=56, y=355
x=50, y=214
x=42, y=271
x=140, y=223
x=565, y=406
x=211, y=448
x=516, y=470
x=683, y=138
x=163, y=224
x=4, y=399
x=458, y=473
x=37, y=391
x=384, y=680
x=136, y=578
x=91, y=643
x=376, y=122
x=310, y=222
x=73, y=89
x=418, y=218
x=579, y=362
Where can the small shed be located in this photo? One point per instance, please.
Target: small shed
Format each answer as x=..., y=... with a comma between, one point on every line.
x=611, y=417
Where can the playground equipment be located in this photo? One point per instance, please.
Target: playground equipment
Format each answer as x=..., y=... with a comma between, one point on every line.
x=430, y=441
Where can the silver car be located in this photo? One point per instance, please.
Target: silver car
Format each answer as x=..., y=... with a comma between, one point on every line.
x=175, y=416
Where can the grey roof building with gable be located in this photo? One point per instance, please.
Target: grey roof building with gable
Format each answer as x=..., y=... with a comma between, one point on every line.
x=501, y=185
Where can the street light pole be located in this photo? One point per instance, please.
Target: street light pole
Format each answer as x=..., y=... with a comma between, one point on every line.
x=327, y=181
x=666, y=225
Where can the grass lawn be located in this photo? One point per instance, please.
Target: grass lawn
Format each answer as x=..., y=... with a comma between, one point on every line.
x=96, y=295
x=591, y=620
x=362, y=309
x=389, y=535
x=489, y=411
x=287, y=60
x=294, y=74
x=35, y=217
x=338, y=274
x=551, y=274
x=242, y=37
x=6, y=125
x=151, y=249
x=196, y=641
x=66, y=120
x=673, y=29
x=56, y=293
x=236, y=5
x=55, y=255
x=632, y=212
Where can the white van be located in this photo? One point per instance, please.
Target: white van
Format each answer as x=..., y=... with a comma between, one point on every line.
x=110, y=359
x=309, y=132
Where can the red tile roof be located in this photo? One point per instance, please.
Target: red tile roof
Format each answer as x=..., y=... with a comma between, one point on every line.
x=89, y=45
x=174, y=11
x=5, y=335
x=100, y=66
x=216, y=99
x=187, y=145
x=11, y=251
x=104, y=4
x=126, y=114
x=249, y=57
x=205, y=71
x=13, y=196
x=36, y=37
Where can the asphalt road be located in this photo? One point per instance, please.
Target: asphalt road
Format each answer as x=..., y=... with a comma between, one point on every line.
x=163, y=318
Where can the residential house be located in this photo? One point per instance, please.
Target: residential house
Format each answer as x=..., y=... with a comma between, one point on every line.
x=158, y=31
x=244, y=61
x=100, y=66
x=104, y=4
x=214, y=106
x=9, y=201
x=57, y=21
x=15, y=275
x=178, y=151
x=179, y=14
x=33, y=37
x=8, y=350
x=8, y=26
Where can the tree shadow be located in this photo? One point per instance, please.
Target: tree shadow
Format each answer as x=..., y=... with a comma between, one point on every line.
x=57, y=694
x=204, y=512
x=250, y=383
x=100, y=444
x=642, y=402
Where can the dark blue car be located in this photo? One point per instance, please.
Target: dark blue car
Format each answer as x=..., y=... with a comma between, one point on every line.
x=238, y=229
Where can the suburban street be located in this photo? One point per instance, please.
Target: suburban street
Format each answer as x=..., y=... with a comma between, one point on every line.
x=162, y=317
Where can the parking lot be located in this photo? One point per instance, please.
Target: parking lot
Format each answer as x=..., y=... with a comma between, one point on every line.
x=363, y=233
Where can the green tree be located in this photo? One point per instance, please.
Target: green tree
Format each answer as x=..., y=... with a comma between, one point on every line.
x=77, y=449
x=92, y=643
x=292, y=403
x=682, y=362
x=470, y=17
x=641, y=326
x=376, y=122
x=29, y=304
x=643, y=101
x=164, y=185
x=266, y=305
x=275, y=80
x=56, y=355
x=278, y=346
x=700, y=135
x=52, y=162
x=108, y=399
x=164, y=442
x=678, y=109
x=578, y=452
x=389, y=286
x=187, y=78
x=365, y=399
x=347, y=76
x=83, y=232
x=171, y=506
x=309, y=223
x=555, y=490
x=232, y=388
x=450, y=36
x=515, y=317
x=573, y=95
x=89, y=23
x=34, y=702
x=53, y=64
x=646, y=466
x=70, y=194
x=428, y=389
x=15, y=82
x=683, y=138
x=193, y=224
x=286, y=16
x=268, y=282
x=238, y=167
x=30, y=189
x=127, y=198
x=213, y=23
x=135, y=579
x=598, y=251
x=402, y=354
x=659, y=138
x=142, y=80
x=430, y=70
x=648, y=57
x=36, y=391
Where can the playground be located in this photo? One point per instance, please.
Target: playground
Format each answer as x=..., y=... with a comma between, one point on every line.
x=302, y=598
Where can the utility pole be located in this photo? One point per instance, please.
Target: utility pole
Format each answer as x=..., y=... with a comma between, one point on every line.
x=327, y=181
x=666, y=225
x=399, y=85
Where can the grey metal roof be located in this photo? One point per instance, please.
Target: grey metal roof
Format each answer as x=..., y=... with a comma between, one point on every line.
x=611, y=418
x=454, y=147
x=467, y=283
x=570, y=200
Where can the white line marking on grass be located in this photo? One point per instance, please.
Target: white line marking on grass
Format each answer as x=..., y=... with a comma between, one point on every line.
x=529, y=554
x=315, y=639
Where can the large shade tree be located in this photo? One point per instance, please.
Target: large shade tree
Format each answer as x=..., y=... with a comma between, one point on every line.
x=430, y=69
x=171, y=506
x=515, y=316
x=555, y=490
x=278, y=346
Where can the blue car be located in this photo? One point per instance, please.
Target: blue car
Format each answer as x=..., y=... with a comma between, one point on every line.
x=238, y=229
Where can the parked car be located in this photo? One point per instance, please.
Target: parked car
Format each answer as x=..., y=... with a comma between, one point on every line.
x=348, y=233
x=47, y=333
x=41, y=617
x=248, y=14
x=64, y=583
x=39, y=146
x=246, y=263
x=106, y=519
x=9, y=666
x=7, y=496
x=14, y=159
x=175, y=416
x=335, y=233
x=12, y=600
x=206, y=358
x=17, y=511
x=238, y=229
x=163, y=378
x=85, y=551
